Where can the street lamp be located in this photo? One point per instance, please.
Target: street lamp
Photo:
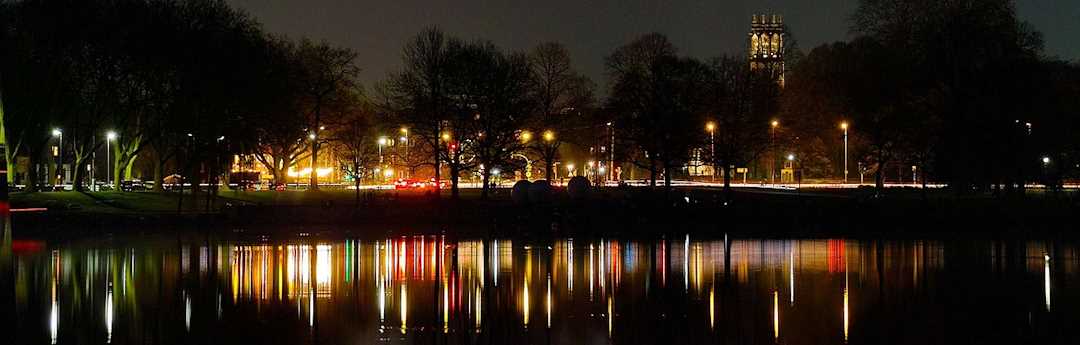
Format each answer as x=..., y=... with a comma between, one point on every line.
x=526, y=136
x=711, y=127
x=1046, y=160
x=611, y=152
x=772, y=146
x=549, y=135
x=56, y=132
x=109, y=137
x=844, y=126
x=382, y=142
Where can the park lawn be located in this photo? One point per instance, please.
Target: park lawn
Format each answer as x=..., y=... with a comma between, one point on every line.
x=99, y=202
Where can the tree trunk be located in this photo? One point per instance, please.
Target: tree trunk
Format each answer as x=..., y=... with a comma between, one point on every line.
x=356, y=182
x=652, y=173
x=454, y=181
x=484, y=188
x=128, y=164
x=33, y=173
x=313, y=181
x=726, y=169
x=79, y=174
x=549, y=169
x=159, y=180
x=117, y=168
x=879, y=178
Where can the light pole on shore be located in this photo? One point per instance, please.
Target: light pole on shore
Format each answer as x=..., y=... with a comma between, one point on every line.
x=711, y=127
x=109, y=137
x=772, y=146
x=844, y=126
x=56, y=132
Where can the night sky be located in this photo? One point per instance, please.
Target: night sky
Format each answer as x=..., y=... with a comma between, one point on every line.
x=591, y=29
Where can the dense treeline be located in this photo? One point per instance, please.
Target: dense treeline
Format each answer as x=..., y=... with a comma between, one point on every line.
x=959, y=90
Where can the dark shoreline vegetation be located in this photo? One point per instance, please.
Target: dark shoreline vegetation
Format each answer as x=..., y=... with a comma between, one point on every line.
x=904, y=213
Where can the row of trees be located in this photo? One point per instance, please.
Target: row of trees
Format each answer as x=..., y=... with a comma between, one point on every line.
x=470, y=105
x=183, y=85
x=959, y=89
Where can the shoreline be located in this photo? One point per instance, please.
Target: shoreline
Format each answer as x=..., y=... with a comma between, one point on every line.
x=626, y=213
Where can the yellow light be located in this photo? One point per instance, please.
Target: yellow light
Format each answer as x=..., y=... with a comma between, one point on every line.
x=388, y=172
x=549, y=135
x=446, y=136
x=404, y=308
x=843, y=125
x=776, y=314
x=526, y=136
x=710, y=126
x=382, y=140
x=404, y=131
x=775, y=123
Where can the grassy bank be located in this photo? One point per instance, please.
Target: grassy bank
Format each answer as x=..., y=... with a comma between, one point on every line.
x=624, y=210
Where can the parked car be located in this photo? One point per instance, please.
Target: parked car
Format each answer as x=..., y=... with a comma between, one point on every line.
x=132, y=186
x=409, y=183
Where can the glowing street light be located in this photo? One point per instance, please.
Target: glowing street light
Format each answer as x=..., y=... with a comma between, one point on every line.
x=446, y=136
x=772, y=148
x=109, y=137
x=790, y=157
x=56, y=132
x=526, y=136
x=549, y=135
x=1046, y=160
x=311, y=136
x=711, y=127
x=382, y=142
x=844, y=126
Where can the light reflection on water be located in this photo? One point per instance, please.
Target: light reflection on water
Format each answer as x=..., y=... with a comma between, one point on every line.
x=340, y=291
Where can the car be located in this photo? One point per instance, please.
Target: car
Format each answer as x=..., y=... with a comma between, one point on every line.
x=409, y=183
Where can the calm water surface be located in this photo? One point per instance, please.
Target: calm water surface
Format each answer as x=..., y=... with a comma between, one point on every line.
x=435, y=290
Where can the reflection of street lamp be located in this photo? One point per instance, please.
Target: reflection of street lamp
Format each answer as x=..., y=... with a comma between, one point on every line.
x=109, y=137
x=844, y=126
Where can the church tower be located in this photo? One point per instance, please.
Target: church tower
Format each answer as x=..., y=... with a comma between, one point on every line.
x=766, y=46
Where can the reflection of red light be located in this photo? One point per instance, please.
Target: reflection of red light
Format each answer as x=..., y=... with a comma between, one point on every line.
x=23, y=247
x=835, y=252
x=663, y=263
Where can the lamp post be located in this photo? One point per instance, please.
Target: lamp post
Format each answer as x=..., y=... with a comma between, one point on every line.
x=382, y=142
x=611, y=160
x=772, y=146
x=405, y=139
x=109, y=137
x=711, y=127
x=844, y=126
x=56, y=132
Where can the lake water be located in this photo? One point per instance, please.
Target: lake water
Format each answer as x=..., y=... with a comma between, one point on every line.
x=435, y=290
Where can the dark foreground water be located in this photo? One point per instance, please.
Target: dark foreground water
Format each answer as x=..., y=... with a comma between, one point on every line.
x=434, y=290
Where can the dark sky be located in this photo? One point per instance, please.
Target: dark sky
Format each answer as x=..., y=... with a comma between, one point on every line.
x=591, y=29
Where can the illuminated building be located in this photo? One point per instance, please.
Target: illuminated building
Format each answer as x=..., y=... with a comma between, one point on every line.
x=766, y=46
